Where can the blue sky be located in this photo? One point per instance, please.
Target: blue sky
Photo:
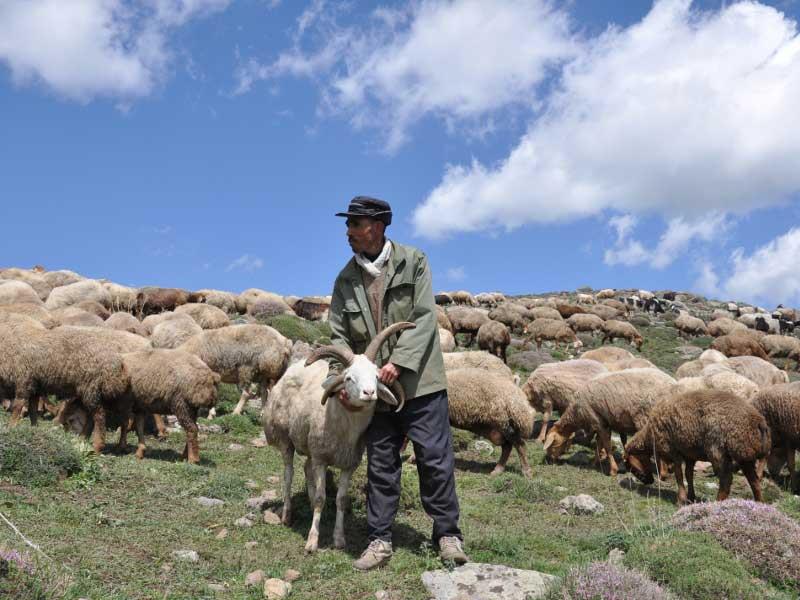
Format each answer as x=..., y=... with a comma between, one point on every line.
x=525, y=145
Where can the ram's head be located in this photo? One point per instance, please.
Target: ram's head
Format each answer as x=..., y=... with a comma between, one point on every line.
x=360, y=375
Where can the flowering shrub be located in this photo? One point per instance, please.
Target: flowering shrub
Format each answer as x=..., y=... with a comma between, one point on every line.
x=12, y=558
x=605, y=581
x=757, y=533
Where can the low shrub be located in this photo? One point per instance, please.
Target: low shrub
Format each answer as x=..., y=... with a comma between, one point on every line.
x=605, y=581
x=296, y=328
x=757, y=533
x=37, y=456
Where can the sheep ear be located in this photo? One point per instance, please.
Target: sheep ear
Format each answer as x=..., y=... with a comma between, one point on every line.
x=548, y=441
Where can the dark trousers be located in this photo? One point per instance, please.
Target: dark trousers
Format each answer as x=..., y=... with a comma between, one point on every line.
x=426, y=422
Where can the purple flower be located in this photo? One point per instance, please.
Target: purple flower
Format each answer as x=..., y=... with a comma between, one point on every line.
x=605, y=581
x=13, y=557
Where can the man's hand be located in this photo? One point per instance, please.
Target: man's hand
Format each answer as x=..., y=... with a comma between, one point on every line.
x=388, y=373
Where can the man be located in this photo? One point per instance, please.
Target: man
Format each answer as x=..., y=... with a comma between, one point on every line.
x=384, y=283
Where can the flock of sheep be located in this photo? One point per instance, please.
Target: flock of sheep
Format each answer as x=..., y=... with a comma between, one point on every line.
x=100, y=348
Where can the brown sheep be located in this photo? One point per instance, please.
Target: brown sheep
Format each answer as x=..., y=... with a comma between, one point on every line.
x=123, y=321
x=153, y=300
x=782, y=346
x=206, y=315
x=567, y=310
x=780, y=405
x=553, y=386
x=467, y=320
x=585, y=322
x=511, y=314
x=735, y=344
x=464, y=298
x=312, y=308
x=225, y=301
x=688, y=325
x=477, y=359
x=620, y=307
x=494, y=337
x=607, y=354
x=619, y=401
x=711, y=425
x=724, y=326
x=551, y=330
x=605, y=312
x=613, y=329
x=605, y=294
x=545, y=312
x=443, y=320
x=447, y=342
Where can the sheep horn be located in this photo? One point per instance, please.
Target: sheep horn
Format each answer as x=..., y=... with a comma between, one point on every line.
x=393, y=395
x=332, y=385
x=342, y=354
x=375, y=345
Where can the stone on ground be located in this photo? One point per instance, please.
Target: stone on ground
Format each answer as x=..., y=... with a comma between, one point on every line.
x=582, y=504
x=478, y=581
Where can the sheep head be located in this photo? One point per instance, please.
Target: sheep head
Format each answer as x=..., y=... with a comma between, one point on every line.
x=557, y=442
x=360, y=376
x=637, y=459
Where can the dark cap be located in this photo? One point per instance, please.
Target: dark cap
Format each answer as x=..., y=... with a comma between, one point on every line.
x=364, y=206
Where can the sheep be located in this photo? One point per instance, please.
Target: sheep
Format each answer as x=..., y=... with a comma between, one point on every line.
x=243, y=354
x=32, y=278
x=551, y=330
x=645, y=295
x=17, y=292
x=477, y=359
x=72, y=315
x=447, y=341
x=493, y=407
x=150, y=322
x=486, y=299
x=767, y=324
x=443, y=299
x=467, y=320
x=585, y=322
x=613, y=329
x=60, y=278
x=724, y=326
x=168, y=382
x=607, y=354
x=207, y=316
x=735, y=344
x=606, y=293
x=782, y=346
x=545, y=312
x=511, y=314
x=760, y=372
x=225, y=301
x=604, y=312
x=19, y=336
x=688, y=325
x=443, y=320
x=494, y=337
x=748, y=319
x=553, y=385
x=94, y=308
x=171, y=333
x=262, y=303
x=69, y=295
x=711, y=425
x=568, y=310
x=312, y=308
x=657, y=306
x=123, y=321
x=298, y=418
x=123, y=298
x=463, y=297
x=153, y=300
x=618, y=401
x=630, y=363
x=585, y=299
x=620, y=307
x=719, y=379
x=780, y=406
x=35, y=311
x=712, y=356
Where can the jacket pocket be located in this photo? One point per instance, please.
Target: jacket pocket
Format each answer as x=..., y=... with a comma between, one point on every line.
x=399, y=301
x=356, y=324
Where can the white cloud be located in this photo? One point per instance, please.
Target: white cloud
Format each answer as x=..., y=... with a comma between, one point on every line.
x=707, y=281
x=770, y=274
x=84, y=49
x=458, y=59
x=684, y=113
x=246, y=263
x=456, y=274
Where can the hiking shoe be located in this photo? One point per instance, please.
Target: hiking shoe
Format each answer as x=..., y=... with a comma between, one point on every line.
x=377, y=554
x=450, y=549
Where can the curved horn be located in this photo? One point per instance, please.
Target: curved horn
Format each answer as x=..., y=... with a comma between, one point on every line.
x=400, y=394
x=393, y=395
x=375, y=345
x=332, y=385
x=340, y=353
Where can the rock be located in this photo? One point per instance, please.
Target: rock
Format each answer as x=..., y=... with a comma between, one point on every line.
x=689, y=352
x=702, y=466
x=259, y=442
x=254, y=578
x=243, y=522
x=616, y=556
x=382, y=595
x=251, y=485
x=213, y=428
x=276, y=588
x=235, y=447
x=477, y=581
x=629, y=483
x=186, y=555
x=273, y=479
x=216, y=587
x=250, y=545
x=291, y=575
x=209, y=502
x=257, y=503
x=582, y=504
x=711, y=485
x=270, y=518
x=222, y=534
x=483, y=447
x=529, y=360
x=560, y=488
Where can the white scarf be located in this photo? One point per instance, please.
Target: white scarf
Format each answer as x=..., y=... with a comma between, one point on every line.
x=374, y=267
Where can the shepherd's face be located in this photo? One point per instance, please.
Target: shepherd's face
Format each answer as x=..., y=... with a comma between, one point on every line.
x=364, y=234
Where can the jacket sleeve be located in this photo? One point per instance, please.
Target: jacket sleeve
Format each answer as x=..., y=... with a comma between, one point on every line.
x=413, y=343
x=339, y=332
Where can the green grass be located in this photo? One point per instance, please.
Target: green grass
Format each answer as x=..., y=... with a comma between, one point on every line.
x=296, y=328
x=36, y=457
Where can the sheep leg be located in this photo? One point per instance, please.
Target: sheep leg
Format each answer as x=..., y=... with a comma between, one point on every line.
x=188, y=420
x=725, y=480
x=310, y=485
x=161, y=427
x=138, y=420
x=689, y=469
x=288, y=475
x=33, y=409
x=523, y=458
x=604, y=441
x=753, y=479
x=682, y=495
x=501, y=464
x=503, y=354
x=546, y=416
x=318, y=473
x=341, y=502
x=122, y=443
x=242, y=402
x=16, y=411
x=99, y=433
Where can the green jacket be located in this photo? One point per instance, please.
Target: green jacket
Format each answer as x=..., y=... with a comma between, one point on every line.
x=408, y=296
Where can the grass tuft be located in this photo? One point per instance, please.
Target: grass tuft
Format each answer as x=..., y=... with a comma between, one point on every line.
x=37, y=456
